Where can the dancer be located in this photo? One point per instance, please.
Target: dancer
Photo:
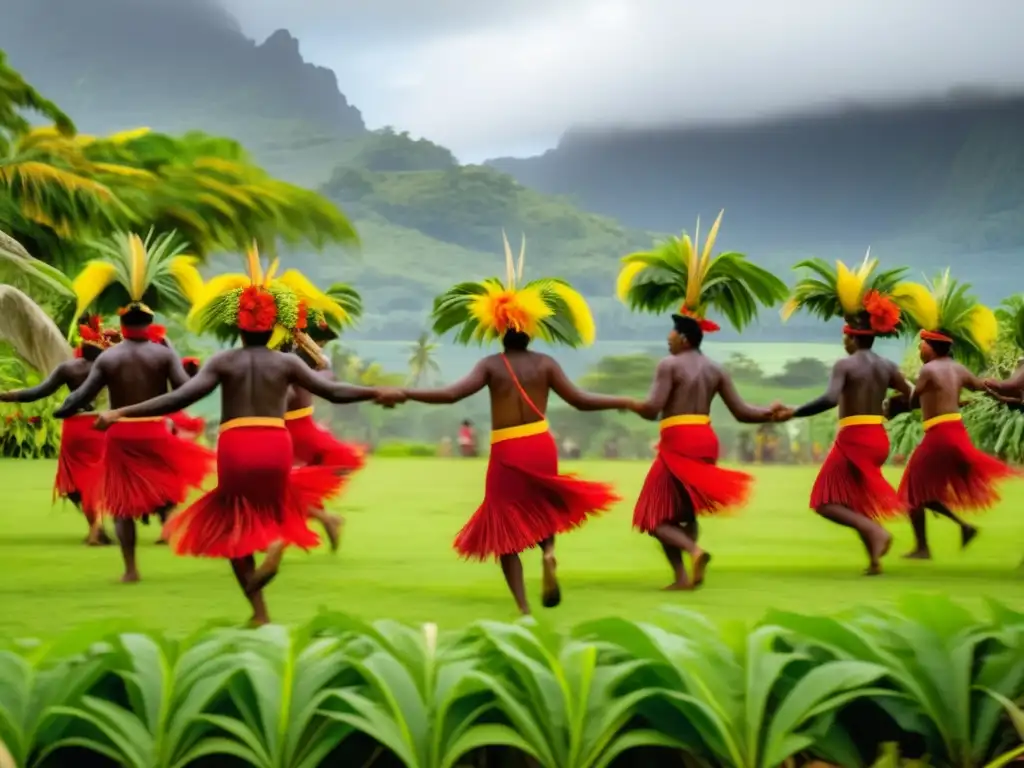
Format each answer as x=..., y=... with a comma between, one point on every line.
x=526, y=501
x=81, y=447
x=146, y=470
x=260, y=500
x=312, y=444
x=684, y=481
x=946, y=473
x=850, y=489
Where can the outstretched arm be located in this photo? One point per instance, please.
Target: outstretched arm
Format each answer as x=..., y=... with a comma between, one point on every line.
x=194, y=390
x=830, y=399
x=899, y=382
x=1010, y=387
x=581, y=400
x=334, y=391
x=49, y=385
x=661, y=388
x=742, y=411
x=468, y=385
x=85, y=394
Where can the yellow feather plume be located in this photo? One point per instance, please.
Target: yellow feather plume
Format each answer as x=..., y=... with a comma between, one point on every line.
x=709, y=244
x=689, y=255
x=789, y=308
x=183, y=269
x=624, y=282
x=313, y=296
x=91, y=282
x=214, y=289
x=918, y=302
x=510, y=264
x=582, y=319
x=522, y=310
x=849, y=286
x=278, y=337
x=137, y=267
x=982, y=325
x=252, y=257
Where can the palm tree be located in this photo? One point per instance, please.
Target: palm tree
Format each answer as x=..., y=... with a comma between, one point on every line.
x=422, y=365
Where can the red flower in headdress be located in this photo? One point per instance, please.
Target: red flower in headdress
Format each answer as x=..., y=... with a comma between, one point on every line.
x=882, y=311
x=303, y=319
x=257, y=311
x=707, y=326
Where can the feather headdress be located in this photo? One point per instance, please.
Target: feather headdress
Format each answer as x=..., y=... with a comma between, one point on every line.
x=255, y=301
x=677, y=274
x=322, y=326
x=91, y=333
x=869, y=299
x=139, y=275
x=548, y=308
x=945, y=311
x=298, y=300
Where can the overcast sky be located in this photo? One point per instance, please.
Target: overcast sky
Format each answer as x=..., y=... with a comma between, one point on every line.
x=490, y=77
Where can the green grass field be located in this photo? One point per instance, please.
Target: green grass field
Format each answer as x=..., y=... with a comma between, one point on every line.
x=396, y=559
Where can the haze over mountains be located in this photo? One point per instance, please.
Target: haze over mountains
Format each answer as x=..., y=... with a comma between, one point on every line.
x=927, y=185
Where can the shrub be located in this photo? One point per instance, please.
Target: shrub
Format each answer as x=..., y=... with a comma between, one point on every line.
x=927, y=679
x=397, y=449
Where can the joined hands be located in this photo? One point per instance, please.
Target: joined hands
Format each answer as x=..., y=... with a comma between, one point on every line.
x=389, y=397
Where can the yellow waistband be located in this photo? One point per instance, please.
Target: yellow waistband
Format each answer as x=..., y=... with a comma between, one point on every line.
x=861, y=421
x=685, y=420
x=523, y=430
x=299, y=413
x=142, y=418
x=252, y=421
x=942, y=418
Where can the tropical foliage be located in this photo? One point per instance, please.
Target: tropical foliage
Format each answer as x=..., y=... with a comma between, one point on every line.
x=423, y=366
x=927, y=680
x=60, y=190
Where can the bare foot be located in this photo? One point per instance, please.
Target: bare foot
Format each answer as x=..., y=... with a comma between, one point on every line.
x=551, y=595
x=258, y=621
x=700, y=564
x=161, y=542
x=332, y=526
x=130, y=577
x=98, y=538
x=879, y=549
x=967, y=535
x=679, y=586
x=267, y=570
x=919, y=554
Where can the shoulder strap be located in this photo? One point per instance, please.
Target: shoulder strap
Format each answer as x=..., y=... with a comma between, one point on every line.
x=522, y=392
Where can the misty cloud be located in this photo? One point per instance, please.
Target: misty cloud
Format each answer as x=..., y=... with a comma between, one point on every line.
x=487, y=78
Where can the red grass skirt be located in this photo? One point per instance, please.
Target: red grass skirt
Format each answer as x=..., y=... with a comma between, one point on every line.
x=259, y=499
x=181, y=422
x=852, y=474
x=946, y=468
x=78, y=465
x=526, y=500
x=315, y=445
x=684, y=476
x=146, y=468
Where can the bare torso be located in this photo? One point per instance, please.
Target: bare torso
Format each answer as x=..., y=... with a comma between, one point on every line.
x=508, y=408
x=867, y=378
x=76, y=372
x=254, y=381
x=135, y=371
x=695, y=382
x=939, y=385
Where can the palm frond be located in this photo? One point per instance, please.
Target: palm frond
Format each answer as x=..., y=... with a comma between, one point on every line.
x=47, y=286
x=31, y=332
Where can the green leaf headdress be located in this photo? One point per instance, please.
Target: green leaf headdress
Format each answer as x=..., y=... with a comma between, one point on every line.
x=943, y=310
x=138, y=275
x=677, y=274
x=868, y=299
x=547, y=308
